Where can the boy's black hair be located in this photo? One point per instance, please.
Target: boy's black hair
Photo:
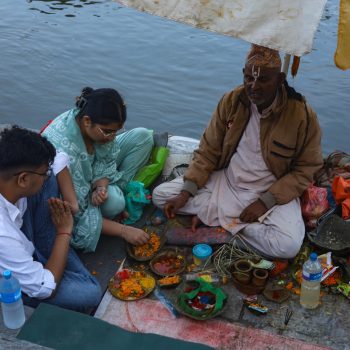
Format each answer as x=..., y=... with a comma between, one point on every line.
x=21, y=149
x=103, y=106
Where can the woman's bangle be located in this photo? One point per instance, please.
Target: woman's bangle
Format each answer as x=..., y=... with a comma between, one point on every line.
x=64, y=233
x=122, y=231
x=100, y=188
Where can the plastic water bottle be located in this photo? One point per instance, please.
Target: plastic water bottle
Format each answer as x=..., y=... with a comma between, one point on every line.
x=310, y=285
x=206, y=276
x=11, y=301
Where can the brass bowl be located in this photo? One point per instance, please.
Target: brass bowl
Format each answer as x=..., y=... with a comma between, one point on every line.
x=131, y=252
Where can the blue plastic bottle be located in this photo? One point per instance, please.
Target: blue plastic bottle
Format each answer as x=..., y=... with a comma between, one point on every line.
x=11, y=301
x=310, y=285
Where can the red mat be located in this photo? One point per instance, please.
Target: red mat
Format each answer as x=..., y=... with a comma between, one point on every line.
x=205, y=234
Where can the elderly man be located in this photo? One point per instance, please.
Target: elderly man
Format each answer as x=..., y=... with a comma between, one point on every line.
x=255, y=158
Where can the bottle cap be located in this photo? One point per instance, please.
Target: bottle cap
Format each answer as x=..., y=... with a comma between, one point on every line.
x=9, y=295
x=7, y=274
x=202, y=251
x=313, y=256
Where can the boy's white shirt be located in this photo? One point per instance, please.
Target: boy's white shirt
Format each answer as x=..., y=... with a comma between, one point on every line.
x=60, y=162
x=16, y=252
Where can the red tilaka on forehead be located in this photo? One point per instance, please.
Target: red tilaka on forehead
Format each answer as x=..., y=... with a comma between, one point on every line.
x=260, y=56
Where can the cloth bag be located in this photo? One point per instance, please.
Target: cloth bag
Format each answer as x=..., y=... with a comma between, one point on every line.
x=136, y=198
x=314, y=203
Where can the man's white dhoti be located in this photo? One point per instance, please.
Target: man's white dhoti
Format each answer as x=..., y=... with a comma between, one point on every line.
x=229, y=191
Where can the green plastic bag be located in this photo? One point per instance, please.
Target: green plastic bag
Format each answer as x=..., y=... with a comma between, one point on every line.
x=203, y=286
x=136, y=198
x=153, y=169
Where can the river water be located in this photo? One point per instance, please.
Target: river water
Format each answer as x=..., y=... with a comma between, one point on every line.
x=171, y=75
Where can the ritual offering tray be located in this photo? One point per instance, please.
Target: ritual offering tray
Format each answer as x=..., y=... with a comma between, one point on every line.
x=168, y=263
x=169, y=281
x=148, y=250
x=200, y=300
x=131, y=285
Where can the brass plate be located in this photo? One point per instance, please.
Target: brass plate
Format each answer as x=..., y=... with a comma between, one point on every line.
x=115, y=282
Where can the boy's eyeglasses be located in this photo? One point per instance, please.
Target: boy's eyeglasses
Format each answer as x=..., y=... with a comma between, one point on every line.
x=48, y=173
x=113, y=133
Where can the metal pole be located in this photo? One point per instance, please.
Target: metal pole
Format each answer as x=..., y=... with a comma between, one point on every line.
x=286, y=62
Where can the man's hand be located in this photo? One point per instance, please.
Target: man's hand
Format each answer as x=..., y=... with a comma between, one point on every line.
x=174, y=204
x=99, y=196
x=61, y=215
x=253, y=211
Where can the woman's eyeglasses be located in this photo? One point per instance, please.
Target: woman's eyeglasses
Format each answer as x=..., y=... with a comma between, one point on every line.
x=110, y=134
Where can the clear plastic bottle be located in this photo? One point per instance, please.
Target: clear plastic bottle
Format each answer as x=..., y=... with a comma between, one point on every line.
x=11, y=301
x=206, y=276
x=310, y=285
x=210, y=277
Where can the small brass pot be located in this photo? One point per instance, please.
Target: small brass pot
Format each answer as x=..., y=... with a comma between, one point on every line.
x=242, y=271
x=259, y=278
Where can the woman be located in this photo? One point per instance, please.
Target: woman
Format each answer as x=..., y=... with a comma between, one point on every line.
x=101, y=163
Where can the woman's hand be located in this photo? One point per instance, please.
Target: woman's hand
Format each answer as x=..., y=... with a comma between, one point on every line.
x=134, y=235
x=74, y=207
x=99, y=195
x=61, y=215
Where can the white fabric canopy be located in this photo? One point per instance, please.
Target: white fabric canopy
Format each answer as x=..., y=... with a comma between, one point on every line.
x=285, y=25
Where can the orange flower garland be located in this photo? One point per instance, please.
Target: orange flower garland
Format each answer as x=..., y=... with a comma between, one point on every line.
x=148, y=249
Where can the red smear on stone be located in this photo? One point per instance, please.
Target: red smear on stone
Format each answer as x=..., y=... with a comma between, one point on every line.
x=150, y=316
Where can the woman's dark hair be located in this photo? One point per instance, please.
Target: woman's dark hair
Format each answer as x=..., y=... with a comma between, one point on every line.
x=103, y=106
x=20, y=148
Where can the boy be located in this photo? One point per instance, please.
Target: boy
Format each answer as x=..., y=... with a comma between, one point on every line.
x=36, y=226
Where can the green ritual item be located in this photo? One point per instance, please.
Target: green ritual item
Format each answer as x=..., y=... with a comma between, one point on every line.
x=200, y=300
x=148, y=174
x=344, y=288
